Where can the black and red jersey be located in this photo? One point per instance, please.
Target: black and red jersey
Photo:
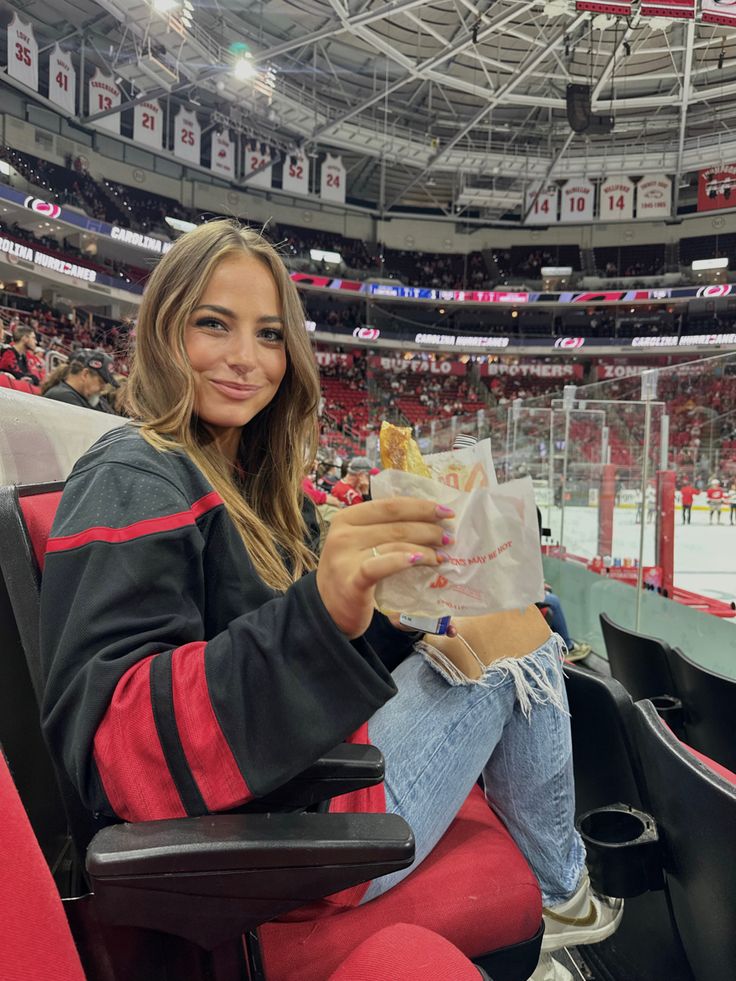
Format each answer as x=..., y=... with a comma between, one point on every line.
x=177, y=682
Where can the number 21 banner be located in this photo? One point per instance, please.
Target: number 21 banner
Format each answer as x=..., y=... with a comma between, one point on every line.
x=148, y=124
x=22, y=53
x=577, y=200
x=617, y=199
x=62, y=80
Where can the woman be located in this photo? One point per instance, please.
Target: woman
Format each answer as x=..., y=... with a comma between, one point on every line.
x=197, y=653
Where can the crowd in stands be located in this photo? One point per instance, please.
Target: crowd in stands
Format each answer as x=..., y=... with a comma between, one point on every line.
x=629, y=261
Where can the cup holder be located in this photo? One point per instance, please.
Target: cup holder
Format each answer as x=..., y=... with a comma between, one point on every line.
x=669, y=709
x=623, y=850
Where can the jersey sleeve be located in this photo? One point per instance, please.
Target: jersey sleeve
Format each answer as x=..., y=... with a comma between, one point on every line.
x=149, y=717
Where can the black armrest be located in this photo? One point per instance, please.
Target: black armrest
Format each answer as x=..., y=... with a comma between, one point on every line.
x=209, y=879
x=347, y=767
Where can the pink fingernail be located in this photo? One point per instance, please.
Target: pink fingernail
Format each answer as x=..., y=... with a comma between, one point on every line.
x=443, y=512
x=447, y=538
x=442, y=556
x=415, y=557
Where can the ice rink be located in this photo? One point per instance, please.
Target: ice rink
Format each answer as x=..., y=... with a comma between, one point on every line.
x=705, y=555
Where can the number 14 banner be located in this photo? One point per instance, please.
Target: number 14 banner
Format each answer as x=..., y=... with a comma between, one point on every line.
x=540, y=204
x=617, y=199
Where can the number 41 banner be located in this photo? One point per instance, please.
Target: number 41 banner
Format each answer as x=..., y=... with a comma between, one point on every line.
x=617, y=199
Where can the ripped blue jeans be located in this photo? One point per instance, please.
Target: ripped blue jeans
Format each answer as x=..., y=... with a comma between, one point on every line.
x=440, y=732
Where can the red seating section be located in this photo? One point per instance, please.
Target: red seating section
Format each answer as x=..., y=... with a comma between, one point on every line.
x=17, y=384
x=473, y=867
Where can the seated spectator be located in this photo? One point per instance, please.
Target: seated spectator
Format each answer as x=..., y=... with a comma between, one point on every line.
x=353, y=487
x=15, y=360
x=82, y=381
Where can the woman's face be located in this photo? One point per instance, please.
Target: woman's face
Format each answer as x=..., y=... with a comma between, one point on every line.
x=234, y=339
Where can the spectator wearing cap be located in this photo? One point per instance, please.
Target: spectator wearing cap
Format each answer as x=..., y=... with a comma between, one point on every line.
x=15, y=359
x=81, y=381
x=354, y=486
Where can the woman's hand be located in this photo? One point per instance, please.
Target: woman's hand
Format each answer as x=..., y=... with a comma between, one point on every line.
x=370, y=542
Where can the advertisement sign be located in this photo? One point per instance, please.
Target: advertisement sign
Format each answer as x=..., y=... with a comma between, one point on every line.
x=258, y=165
x=103, y=95
x=326, y=359
x=22, y=53
x=187, y=136
x=532, y=369
x=540, y=204
x=616, y=199
x=296, y=175
x=332, y=179
x=62, y=80
x=148, y=124
x=577, y=200
x=400, y=366
x=654, y=197
x=717, y=186
x=223, y=155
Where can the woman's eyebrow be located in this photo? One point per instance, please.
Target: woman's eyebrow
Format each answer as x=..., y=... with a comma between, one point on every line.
x=212, y=306
x=271, y=320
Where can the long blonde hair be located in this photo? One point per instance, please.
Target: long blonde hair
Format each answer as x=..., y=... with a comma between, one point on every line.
x=276, y=445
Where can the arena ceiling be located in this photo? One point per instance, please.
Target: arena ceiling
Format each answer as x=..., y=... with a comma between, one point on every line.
x=444, y=104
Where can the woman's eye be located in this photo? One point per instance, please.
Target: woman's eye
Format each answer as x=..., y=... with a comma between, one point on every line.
x=210, y=324
x=275, y=336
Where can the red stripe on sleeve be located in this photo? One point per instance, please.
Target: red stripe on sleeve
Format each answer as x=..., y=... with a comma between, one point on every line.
x=149, y=526
x=129, y=756
x=208, y=754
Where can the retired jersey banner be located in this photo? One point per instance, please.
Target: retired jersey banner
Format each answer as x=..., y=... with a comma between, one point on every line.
x=616, y=199
x=258, y=165
x=577, y=200
x=103, y=95
x=614, y=7
x=187, y=136
x=540, y=204
x=22, y=53
x=718, y=12
x=681, y=9
x=62, y=80
x=296, y=175
x=148, y=124
x=222, y=156
x=717, y=188
x=654, y=197
x=332, y=180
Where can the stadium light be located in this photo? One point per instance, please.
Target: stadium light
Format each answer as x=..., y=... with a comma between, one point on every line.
x=319, y=255
x=548, y=271
x=244, y=69
x=179, y=225
x=165, y=6
x=700, y=264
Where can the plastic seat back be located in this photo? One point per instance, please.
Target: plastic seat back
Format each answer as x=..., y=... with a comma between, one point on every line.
x=695, y=810
x=639, y=662
x=709, y=720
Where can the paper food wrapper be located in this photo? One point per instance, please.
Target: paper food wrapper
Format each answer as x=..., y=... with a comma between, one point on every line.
x=495, y=563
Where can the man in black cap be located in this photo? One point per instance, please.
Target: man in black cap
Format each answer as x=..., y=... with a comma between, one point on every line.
x=355, y=484
x=83, y=379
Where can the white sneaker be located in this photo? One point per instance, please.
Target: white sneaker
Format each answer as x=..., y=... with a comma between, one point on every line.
x=548, y=969
x=585, y=918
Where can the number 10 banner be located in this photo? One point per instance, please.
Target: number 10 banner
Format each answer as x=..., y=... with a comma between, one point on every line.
x=578, y=200
x=617, y=199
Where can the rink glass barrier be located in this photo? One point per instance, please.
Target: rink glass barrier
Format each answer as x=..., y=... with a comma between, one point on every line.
x=607, y=460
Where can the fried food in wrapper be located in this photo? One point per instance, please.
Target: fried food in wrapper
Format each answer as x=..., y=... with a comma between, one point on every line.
x=495, y=563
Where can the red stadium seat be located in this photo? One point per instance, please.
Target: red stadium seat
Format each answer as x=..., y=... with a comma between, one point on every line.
x=475, y=889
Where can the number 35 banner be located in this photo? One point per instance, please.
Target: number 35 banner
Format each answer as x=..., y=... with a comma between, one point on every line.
x=22, y=53
x=617, y=199
x=332, y=183
x=578, y=200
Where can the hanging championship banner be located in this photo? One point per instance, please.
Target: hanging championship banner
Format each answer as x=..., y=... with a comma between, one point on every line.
x=332, y=180
x=616, y=199
x=223, y=155
x=148, y=124
x=187, y=136
x=22, y=53
x=577, y=200
x=718, y=12
x=681, y=9
x=62, y=80
x=296, y=175
x=654, y=197
x=717, y=188
x=103, y=95
x=258, y=165
x=540, y=204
